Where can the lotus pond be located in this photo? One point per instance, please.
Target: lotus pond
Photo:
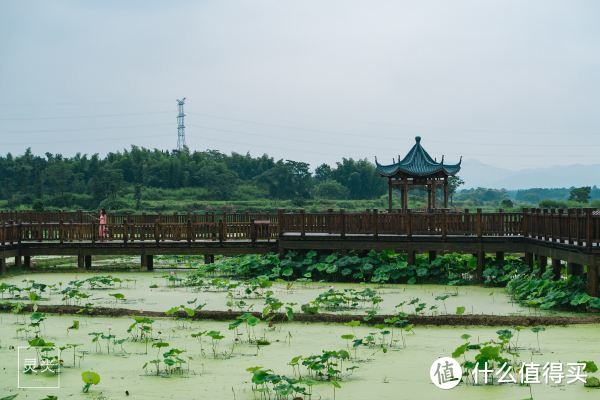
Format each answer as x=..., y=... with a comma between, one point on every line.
x=255, y=356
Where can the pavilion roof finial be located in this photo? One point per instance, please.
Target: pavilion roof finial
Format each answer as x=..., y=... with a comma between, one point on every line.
x=418, y=139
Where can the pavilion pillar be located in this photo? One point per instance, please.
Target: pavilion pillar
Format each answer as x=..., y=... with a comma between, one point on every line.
x=446, y=192
x=80, y=261
x=27, y=261
x=2, y=265
x=433, y=190
x=405, y=193
x=390, y=194
x=428, y=196
x=402, y=188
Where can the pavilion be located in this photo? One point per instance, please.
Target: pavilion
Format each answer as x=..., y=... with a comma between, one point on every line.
x=417, y=168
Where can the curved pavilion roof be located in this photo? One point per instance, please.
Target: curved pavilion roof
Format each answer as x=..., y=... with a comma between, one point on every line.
x=418, y=163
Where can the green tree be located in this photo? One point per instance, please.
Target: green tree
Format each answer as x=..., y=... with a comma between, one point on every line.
x=137, y=195
x=331, y=189
x=507, y=203
x=581, y=194
x=454, y=182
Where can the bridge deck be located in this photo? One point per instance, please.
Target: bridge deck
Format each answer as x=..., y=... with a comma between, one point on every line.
x=569, y=235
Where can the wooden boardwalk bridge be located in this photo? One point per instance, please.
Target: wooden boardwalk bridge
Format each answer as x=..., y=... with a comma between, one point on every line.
x=565, y=236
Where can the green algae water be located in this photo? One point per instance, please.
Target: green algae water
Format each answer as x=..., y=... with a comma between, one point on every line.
x=150, y=291
x=401, y=373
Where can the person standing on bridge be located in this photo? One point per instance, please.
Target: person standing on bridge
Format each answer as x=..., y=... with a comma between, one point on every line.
x=102, y=228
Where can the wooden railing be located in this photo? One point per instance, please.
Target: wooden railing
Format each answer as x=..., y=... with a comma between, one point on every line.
x=574, y=227
x=119, y=218
x=15, y=233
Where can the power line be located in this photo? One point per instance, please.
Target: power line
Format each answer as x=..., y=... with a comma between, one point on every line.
x=105, y=128
x=82, y=116
x=345, y=133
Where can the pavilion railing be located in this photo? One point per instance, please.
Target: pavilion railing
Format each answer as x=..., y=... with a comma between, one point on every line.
x=572, y=227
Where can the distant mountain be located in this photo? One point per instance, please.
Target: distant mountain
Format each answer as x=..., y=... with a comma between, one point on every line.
x=477, y=174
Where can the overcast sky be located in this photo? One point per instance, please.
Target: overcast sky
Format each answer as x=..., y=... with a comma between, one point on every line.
x=510, y=83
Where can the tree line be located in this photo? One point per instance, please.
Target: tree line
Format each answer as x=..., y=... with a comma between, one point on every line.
x=125, y=179
x=90, y=181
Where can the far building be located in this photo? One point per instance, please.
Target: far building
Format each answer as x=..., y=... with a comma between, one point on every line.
x=417, y=168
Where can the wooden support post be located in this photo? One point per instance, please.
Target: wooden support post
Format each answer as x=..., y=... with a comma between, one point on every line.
x=2, y=265
x=478, y=223
x=433, y=193
x=552, y=218
x=143, y=263
x=157, y=230
x=432, y=256
x=18, y=260
x=189, y=232
x=574, y=269
x=27, y=261
x=500, y=259
x=280, y=222
x=560, y=225
x=253, y=231
x=589, y=237
x=88, y=261
x=80, y=261
x=411, y=257
x=556, y=268
x=375, y=225
x=480, y=266
x=409, y=224
x=593, y=268
x=542, y=263
x=528, y=259
x=342, y=223
x=303, y=223
x=444, y=224
x=221, y=231
x=150, y=262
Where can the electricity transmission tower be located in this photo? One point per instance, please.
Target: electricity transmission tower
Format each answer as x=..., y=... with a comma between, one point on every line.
x=180, y=125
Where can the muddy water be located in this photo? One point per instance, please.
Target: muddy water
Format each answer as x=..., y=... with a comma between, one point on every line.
x=402, y=373
x=139, y=294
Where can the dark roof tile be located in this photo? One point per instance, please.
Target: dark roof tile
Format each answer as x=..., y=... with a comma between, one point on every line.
x=418, y=163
